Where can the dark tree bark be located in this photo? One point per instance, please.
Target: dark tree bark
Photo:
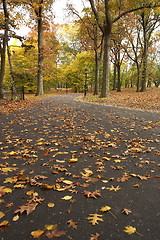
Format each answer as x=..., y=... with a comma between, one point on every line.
x=40, y=90
x=3, y=45
x=115, y=77
x=11, y=70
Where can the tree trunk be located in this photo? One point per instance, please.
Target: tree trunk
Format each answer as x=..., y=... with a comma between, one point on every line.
x=3, y=48
x=106, y=57
x=96, y=90
x=11, y=70
x=40, y=90
x=119, y=69
x=144, y=72
x=144, y=59
x=115, y=77
x=119, y=77
x=138, y=78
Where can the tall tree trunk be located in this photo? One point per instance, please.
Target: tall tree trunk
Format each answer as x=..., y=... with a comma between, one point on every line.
x=114, y=77
x=106, y=67
x=144, y=71
x=3, y=48
x=96, y=90
x=138, y=78
x=11, y=70
x=119, y=77
x=144, y=59
x=119, y=69
x=40, y=90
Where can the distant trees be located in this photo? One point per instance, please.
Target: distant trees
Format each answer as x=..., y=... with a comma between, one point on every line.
x=120, y=30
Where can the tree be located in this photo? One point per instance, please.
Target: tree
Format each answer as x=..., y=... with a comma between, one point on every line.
x=3, y=45
x=148, y=20
x=112, y=16
x=41, y=9
x=93, y=39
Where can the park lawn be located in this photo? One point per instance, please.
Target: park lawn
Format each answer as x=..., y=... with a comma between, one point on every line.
x=129, y=98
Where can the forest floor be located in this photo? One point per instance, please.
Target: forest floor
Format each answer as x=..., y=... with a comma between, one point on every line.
x=127, y=98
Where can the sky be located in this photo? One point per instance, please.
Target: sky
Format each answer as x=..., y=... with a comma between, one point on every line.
x=59, y=10
x=59, y=7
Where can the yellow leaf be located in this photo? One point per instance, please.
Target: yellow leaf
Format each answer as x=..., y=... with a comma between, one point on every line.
x=2, y=215
x=117, y=161
x=105, y=181
x=18, y=186
x=58, y=186
x=130, y=230
x=37, y=234
x=133, y=175
x=61, y=189
x=50, y=227
x=72, y=160
x=67, y=198
x=67, y=182
x=107, y=135
x=29, y=193
x=10, y=180
x=106, y=158
x=15, y=218
x=51, y=205
x=95, y=218
x=4, y=223
x=105, y=209
x=7, y=190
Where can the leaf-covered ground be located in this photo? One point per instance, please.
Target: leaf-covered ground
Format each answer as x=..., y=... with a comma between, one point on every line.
x=129, y=98
x=74, y=170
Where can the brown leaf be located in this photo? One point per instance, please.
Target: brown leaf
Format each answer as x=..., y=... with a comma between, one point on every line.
x=126, y=211
x=92, y=194
x=28, y=208
x=124, y=178
x=72, y=224
x=95, y=237
x=55, y=233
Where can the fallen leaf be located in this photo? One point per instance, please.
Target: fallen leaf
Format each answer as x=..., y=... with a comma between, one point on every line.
x=37, y=234
x=129, y=230
x=72, y=160
x=4, y=224
x=72, y=224
x=28, y=208
x=55, y=233
x=95, y=237
x=92, y=194
x=51, y=205
x=126, y=211
x=95, y=218
x=105, y=209
x=2, y=215
x=67, y=182
x=15, y=218
x=67, y=198
x=112, y=188
x=50, y=227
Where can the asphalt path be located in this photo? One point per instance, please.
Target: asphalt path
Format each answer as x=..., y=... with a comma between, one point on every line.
x=62, y=160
